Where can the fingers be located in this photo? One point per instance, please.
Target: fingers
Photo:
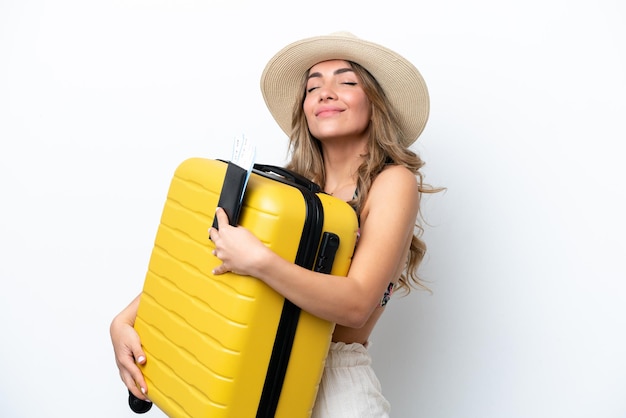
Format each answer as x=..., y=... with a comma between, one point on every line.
x=221, y=269
x=128, y=355
x=140, y=392
x=136, y=374
x=141, y=357
x=222, y=217
x=215, y=235
x=133, y=377
x=222, y=220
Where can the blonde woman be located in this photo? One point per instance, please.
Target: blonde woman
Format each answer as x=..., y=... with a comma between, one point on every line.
x=351, y=109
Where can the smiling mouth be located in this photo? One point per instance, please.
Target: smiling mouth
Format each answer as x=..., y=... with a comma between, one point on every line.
x=327, y=113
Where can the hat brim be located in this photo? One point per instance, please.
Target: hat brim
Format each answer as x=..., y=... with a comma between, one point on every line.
x=401, y=81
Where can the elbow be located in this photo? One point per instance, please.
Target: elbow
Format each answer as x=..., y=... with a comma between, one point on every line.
x=356, y=323
x=357, y=316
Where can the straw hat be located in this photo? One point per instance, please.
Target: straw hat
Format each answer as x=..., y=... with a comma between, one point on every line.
x=403, y=84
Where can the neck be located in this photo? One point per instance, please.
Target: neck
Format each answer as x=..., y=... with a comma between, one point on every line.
x=341, y=175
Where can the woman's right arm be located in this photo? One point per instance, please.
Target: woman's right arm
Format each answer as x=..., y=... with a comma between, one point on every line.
x=128, y=351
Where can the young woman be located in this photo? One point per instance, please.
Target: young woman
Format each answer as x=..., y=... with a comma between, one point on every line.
x=351, y=109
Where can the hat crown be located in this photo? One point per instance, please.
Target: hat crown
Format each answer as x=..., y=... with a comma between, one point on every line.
x=343, y=33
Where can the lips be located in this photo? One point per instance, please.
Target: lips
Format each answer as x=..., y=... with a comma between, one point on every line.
x=327, y=111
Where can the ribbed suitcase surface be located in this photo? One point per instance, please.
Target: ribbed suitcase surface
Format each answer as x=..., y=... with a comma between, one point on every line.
x=211, y=341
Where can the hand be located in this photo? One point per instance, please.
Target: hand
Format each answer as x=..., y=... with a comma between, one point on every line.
x=240, y=251
x=128, y=353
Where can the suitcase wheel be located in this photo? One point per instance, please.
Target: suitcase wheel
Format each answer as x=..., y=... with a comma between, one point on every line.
x=137, y=405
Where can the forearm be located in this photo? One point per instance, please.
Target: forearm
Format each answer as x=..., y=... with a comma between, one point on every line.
x=339, y=299
x=347, y=301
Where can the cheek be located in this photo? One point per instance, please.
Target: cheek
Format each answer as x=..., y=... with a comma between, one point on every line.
x=359, y=100
x=368, y=110
x=365, y=109
x=307, y=104
x=307, y=107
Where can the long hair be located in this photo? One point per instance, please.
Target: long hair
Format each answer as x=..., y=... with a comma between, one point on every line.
x=384, y=148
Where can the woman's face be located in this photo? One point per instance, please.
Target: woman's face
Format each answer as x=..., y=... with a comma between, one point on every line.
x=335, y=104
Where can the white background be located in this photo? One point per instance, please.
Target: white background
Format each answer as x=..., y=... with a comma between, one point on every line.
x=100, y=101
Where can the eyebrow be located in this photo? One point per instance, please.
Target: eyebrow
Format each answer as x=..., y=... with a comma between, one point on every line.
x=336, y=72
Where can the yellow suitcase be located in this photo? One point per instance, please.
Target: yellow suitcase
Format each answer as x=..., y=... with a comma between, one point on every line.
x=229, y=345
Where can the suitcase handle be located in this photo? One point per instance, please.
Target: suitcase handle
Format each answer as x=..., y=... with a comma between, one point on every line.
x=289, y=175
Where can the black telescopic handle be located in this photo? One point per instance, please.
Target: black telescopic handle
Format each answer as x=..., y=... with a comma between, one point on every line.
x=294, y=178
x=138, y=406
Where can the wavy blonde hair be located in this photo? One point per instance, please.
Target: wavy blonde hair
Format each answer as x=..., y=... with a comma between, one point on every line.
x=384, y=148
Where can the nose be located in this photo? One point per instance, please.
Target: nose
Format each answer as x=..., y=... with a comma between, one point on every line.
x=326, y=92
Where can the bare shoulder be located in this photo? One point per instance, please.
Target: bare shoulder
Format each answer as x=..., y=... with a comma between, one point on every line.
x=398, y=180
x=396, y=188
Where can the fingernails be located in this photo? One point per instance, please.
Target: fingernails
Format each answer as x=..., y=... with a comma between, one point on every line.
x=143, y=390
x=141, y=359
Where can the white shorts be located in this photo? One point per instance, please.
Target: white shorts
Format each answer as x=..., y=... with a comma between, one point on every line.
x=349, y=386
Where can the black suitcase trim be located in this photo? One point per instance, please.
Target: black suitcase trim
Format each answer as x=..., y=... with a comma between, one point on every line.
x=283, y=343
x=231, y=200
